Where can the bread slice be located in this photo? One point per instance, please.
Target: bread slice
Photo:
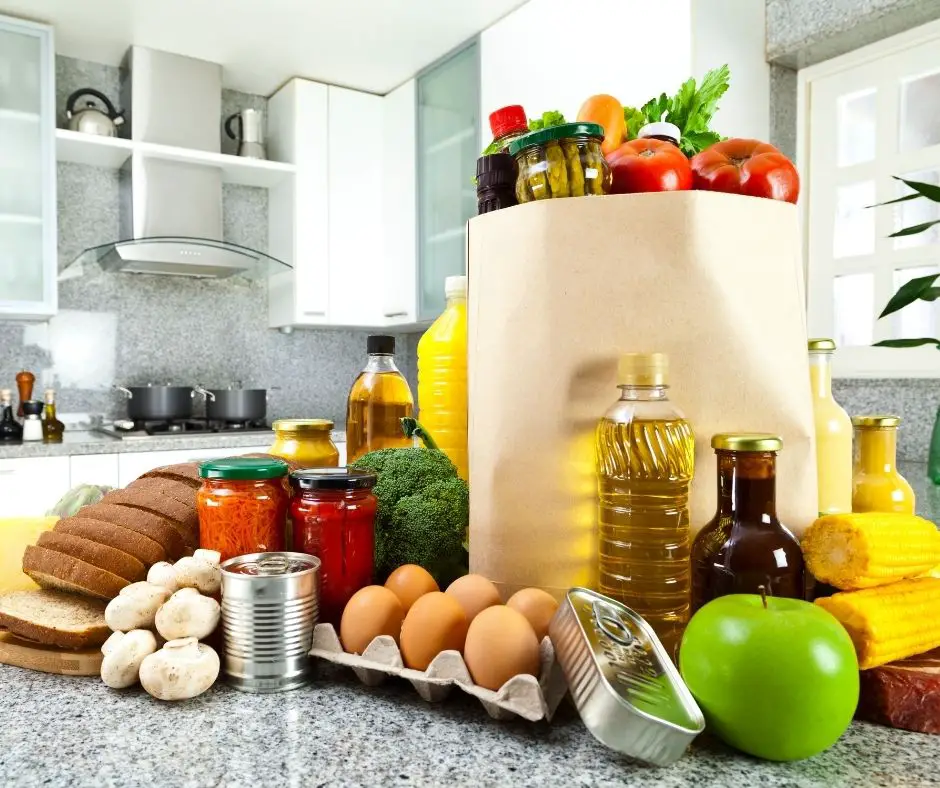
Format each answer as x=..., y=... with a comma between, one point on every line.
x=141, y=519
x=172, y=488
x=101, y=555
x=51, y=569
x=187, y=473
x=54, y=618
x=142, y=547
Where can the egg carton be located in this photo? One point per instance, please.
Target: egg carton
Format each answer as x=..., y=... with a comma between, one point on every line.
x=524, y=696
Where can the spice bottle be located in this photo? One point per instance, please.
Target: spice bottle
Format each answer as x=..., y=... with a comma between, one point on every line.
x=507, y=124
x=876, y=484
x=496, y=182
x=744, y=546
x=52, y=428
x=32, y=423
x=10, y=429
x=667, y=132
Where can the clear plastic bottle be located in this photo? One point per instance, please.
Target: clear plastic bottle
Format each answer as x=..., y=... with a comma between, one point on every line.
x=442, y=376
x=379, y=399
x=645, y=460
x=833, y=434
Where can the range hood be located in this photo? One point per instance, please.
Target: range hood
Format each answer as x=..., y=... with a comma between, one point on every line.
x=171, y=211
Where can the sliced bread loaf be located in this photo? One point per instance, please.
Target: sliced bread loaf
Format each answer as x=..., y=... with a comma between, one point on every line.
x=172, y=488
x=119, y=507
x=54, y=570
x=54, y=618
x=187, y=472
x=139, y=545
x=101, y=555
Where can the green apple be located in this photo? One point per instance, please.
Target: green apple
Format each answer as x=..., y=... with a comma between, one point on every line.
x=776, y=678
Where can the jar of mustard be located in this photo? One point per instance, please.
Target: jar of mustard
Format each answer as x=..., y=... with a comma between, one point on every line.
x=307, y=442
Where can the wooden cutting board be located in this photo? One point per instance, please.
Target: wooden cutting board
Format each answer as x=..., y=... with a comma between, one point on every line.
x=49, y=659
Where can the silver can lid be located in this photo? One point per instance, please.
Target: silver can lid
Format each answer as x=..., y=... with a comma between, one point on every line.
x=270, y=564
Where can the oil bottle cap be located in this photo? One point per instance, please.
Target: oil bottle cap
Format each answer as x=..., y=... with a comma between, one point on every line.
x=821, y=346
x=747, y=441
x=455, y=286
x=643, y=369
x=380, y=344
x=876, y=422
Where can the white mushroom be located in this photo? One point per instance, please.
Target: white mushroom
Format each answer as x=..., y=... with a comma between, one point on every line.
x=123, y=654
x=163, y=574
x=200, y=571
x=188, y=614
x=181, y=669
x=135, y=607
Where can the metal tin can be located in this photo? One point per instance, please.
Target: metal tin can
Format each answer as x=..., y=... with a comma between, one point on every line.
x=626, y=689
x=269, y=610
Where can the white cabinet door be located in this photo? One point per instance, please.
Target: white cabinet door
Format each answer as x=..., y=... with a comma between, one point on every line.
x=31, y=487
x=93, y=469
x=131, y=465
x=357, y=245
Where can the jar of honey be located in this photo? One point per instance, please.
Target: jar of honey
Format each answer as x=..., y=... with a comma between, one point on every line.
x=306, y=442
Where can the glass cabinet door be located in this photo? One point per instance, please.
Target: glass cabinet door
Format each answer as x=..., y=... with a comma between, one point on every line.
x=448, y=146
x=27, y=170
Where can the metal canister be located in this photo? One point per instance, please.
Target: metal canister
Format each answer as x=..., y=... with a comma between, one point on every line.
x=269, y=610
x=626, y=689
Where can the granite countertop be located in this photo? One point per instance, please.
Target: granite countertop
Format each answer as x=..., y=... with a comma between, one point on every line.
x=60, y=731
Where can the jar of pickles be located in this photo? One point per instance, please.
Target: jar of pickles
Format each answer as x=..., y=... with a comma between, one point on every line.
x=561, y=161
x=242, y=505
x=306, y=442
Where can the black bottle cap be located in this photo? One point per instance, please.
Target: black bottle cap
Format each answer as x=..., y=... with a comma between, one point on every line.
x=32, y=407
x=381, y=344
x=498, y=169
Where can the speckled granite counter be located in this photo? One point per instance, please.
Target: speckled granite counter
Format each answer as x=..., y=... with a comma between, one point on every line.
x=57, y=731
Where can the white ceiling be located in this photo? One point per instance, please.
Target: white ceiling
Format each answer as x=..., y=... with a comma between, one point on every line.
x=372, y=45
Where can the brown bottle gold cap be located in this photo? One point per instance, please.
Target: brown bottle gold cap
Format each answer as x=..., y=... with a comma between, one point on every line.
x=747, y=441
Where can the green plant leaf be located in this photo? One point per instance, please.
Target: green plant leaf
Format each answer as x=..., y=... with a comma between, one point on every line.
x=908, y=342
x=910, y=292
x=928, y=190
x=905, y=198
x=914, y=229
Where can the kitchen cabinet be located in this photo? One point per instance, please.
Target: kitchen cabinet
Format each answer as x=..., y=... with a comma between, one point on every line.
x=30, y=487
x=27, y=171
x=93, y=469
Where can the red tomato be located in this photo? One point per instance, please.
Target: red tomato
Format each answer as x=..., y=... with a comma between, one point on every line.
x=648, y=165
x=740, y=166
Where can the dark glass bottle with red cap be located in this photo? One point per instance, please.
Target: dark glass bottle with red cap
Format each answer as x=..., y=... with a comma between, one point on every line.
x=507, y=124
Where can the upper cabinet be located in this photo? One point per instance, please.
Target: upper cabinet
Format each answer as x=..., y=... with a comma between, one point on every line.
x=27, y=171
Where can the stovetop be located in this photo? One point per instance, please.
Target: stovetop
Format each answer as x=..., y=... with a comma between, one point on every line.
x=185, y=428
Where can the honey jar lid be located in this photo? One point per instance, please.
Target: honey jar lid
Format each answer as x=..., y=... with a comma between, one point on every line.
x=747, y=441
x=302, y=425
x=876, y=421
x=243, y=468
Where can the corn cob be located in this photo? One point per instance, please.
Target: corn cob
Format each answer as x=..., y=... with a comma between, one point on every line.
x=891, y=622
x=853, y=551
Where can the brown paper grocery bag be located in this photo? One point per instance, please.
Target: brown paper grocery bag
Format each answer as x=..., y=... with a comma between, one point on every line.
x=558, y=290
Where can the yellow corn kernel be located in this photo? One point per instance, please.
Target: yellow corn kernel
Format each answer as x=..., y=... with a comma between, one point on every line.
x=890, y=622
x=853, y=551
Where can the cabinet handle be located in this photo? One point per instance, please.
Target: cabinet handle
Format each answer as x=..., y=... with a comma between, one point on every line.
x=314, y=314
x=396, y=314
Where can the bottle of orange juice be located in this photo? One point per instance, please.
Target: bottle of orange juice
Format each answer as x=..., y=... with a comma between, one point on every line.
x=442, y=376
x=833, y=433
x=876, y=485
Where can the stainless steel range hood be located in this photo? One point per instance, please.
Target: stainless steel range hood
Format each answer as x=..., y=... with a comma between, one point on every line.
x=171, y=211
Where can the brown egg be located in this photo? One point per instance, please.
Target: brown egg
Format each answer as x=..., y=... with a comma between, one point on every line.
x=500, y=644
x=537, y=606
x=409, y=582
x=475, y=593
x=370, y=612
x=435, y=623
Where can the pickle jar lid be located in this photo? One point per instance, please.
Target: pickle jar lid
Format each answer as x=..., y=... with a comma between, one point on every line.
x=642, y=369
x=243, y=468
x=747, y=441
x=302, y=425
x=821, y=346
x=876, y=421
x=333, y=479
x=563, y=132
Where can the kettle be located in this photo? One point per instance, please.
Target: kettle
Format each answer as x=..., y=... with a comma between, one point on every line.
x=90, y=119
x=250, y=134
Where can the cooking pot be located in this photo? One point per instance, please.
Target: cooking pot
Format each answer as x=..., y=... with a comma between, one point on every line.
x=158, y=403
x=90, y=119
x=235, y=403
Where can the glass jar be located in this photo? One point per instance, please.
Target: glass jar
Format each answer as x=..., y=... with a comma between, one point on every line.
x=242, y=505
x=561, y=161
x=745, y=546
x=876, y=484
x=306, y=442
x=333, y=518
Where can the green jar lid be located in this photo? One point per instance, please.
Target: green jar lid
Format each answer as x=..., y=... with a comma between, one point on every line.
x=243, y=468
x=562, y=132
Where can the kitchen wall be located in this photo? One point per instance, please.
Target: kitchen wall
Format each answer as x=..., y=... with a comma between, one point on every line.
x=131, y=330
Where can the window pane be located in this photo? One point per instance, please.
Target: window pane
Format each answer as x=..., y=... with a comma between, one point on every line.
x=854, y=230
x=856, y=128
x=853, y=309
x=919, y=211
x=920, y=112
x=920, y=318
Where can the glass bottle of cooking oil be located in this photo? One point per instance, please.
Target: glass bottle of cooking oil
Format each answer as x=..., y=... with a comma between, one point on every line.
x=645, y=459
x=379, y=399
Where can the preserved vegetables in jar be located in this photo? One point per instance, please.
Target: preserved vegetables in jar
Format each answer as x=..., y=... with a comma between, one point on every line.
x=561, y=161
x=242, y=505
x=333, y=518
x=306, y=442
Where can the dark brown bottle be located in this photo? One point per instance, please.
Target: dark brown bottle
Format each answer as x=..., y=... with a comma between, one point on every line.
x=496, y=182
x=745, y=546
x=10, y=429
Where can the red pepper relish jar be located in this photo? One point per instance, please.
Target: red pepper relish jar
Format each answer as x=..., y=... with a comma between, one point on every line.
x=333, y=517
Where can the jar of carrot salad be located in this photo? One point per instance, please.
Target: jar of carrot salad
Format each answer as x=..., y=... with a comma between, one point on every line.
x=333, y=518
x=242, y=505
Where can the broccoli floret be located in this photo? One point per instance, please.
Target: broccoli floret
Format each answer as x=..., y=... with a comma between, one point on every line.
x=374, y=460
x=406, y=472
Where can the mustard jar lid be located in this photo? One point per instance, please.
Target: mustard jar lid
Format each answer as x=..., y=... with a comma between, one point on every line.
x=875, y=422
x=302, y=425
